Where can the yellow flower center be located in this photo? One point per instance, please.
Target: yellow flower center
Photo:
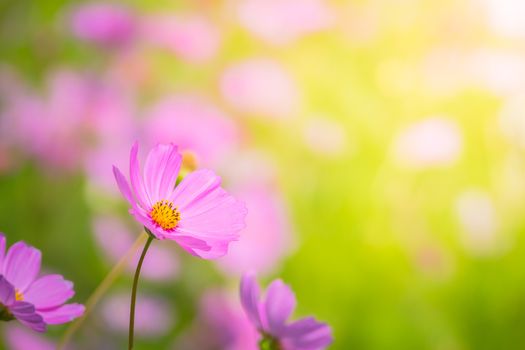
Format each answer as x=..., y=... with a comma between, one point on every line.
x=190, y=161
x=18, y=295
x=165, y=215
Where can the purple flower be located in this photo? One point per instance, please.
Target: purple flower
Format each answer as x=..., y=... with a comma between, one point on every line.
x=192, y=37
x=105, y=24
x=198, y=214
x=35, y=302
x=269, y=316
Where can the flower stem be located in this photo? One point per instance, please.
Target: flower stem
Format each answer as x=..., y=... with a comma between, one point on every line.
x=100, y=291
x=134, y=291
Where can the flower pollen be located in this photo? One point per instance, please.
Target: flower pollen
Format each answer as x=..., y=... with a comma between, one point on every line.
x=165, y=215
x=19, y=296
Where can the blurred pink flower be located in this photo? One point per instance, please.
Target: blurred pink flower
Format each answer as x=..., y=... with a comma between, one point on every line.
x=325, y=137
x=269, y=315
x=198, y=213
x=191, y=37
x=162, y=263
x=430, y=142
x=76, y=113
x=18, y=338
x=154, y=316
x=194, y=125
x=282, y=21
x=107, y=24
x=261, y=87
x=250, y=166
x=267, y=237
x=222, y=320
x=500, y=71
x=512, y=119
x=34, y=302
x=479, y=222
x=505, y=17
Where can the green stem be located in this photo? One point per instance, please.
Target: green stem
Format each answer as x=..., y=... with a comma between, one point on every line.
x=100, y=291
x=134, y=291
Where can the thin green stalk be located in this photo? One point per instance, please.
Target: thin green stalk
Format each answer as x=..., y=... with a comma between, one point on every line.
x=100, y=291
x=134, y=292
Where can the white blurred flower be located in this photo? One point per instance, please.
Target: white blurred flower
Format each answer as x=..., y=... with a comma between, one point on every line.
x=512, y=120
x=501, y=72
x=281, y=21
x=506, y=17
x=191, y=37
x=325, y=137
x=479, y=221
x=261, y=87
x=431, y=142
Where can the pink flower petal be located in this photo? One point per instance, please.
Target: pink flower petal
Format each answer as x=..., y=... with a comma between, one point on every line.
x=250, y=294
x=62, y=314
x=308, y=333
x=108, y=25
x=26, y=314
x=2, y=249
x=7, y=292
x=267, y=238
x=49, y=291
x=194, y=186
x=123, y=185
x=136, y=178
x=22, y=265
x=161, y=171
x=280, y=303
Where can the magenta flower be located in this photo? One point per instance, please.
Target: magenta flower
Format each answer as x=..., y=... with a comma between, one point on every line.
x=34, y=302
x=20, y=338
x=191, y=37
x=108, y=25
x=269, y=316
x=198, y=214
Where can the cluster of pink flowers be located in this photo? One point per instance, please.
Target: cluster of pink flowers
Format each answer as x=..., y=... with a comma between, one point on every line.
x=85, y=122
x=35, y=302
x=204, y=219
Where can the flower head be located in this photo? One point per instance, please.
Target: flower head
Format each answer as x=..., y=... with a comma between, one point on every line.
x=105, y=24
x=269, y=316
x=35, y=302
x=198, y=213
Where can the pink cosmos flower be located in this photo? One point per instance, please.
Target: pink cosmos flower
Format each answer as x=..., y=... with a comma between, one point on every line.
x=261, y=87
x=269, y=316
x=105, y=24
x=191, y=37
x=221, y=318
x=34, y=302
x=195, y=125
x=18, y=338
x=198, y=214
x=431, y=142
x=281, y=21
